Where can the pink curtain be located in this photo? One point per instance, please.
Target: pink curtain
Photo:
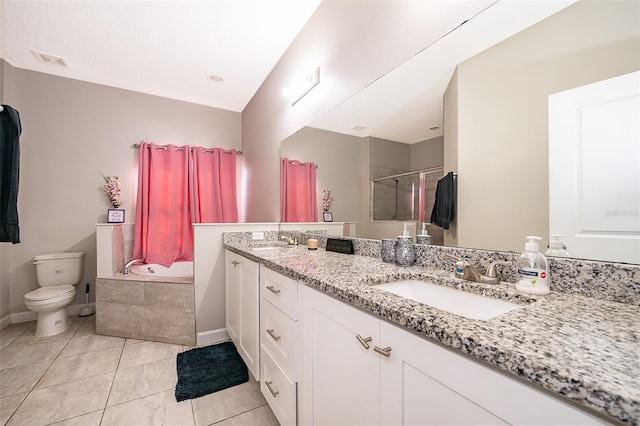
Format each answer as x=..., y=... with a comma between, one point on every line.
x=176, y=188
x=214, y=186
x=298, y=191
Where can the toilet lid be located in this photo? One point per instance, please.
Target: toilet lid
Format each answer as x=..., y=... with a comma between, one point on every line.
x=44, y=293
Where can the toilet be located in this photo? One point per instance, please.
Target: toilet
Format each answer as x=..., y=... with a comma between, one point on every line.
x=58, y=274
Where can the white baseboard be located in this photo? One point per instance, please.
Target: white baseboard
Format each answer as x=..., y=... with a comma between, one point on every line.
x=18, y=317
x=212, y=336
x=5, y=321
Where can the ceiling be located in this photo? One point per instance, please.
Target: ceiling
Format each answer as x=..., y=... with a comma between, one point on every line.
x=163, y=48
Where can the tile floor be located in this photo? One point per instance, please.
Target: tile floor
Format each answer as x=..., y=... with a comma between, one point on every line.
x=81, y=378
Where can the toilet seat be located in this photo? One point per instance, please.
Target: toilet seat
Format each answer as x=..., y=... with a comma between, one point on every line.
x=47, y=293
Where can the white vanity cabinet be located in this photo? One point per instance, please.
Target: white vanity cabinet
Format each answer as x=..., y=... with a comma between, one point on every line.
x=242, y=292
x=346, y=377
x=279, y=343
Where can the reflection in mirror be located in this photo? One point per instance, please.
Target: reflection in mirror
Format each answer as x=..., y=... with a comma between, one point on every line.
x=495, y=123
x=405, y=197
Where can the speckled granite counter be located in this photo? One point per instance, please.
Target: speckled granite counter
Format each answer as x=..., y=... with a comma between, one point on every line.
x=582, y=348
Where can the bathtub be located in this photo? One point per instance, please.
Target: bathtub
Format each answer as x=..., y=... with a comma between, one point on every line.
x=177, y=270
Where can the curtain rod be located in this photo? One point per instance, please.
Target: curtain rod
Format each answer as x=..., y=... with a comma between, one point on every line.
x=427, y=171
x=227, y=151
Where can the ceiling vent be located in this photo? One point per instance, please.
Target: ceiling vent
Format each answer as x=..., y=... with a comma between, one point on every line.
x=46, y=58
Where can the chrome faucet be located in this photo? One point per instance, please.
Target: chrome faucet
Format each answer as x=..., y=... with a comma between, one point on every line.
x=289, y=240
x=125, y=268
x=469, y=272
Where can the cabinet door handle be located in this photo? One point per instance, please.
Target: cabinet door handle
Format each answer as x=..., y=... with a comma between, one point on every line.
x=272, y=334
x=235, y=263
x=383, y=351
x=364, y=341
x=273, y=289
x=268, y=384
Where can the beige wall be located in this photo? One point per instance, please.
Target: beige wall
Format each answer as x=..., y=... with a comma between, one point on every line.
x=338, y=159
x=501, y=103
x=72, y=131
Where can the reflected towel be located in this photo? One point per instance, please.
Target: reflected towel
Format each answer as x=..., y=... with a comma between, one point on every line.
x=444, y=208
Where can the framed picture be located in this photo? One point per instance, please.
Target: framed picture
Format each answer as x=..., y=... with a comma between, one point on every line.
x=115, y=215
x=327, y=216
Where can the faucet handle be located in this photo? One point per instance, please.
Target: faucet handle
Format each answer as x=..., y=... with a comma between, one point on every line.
x=491, y=269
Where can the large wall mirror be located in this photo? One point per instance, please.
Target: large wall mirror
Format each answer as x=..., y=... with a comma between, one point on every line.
x=490, y=125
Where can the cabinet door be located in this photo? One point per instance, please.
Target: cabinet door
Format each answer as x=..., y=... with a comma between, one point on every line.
x=249, y=339
x=232, y=295
x=426, y=384
x=339, y=377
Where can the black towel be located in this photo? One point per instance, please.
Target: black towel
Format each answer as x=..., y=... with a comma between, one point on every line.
x=10, y=129
x=444, y=208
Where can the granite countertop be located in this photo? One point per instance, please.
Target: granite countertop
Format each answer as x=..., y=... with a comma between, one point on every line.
x=582, y=348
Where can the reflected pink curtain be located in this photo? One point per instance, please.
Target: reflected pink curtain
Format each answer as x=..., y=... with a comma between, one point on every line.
x=177, y=186
x=214, y=186
x=298, y=191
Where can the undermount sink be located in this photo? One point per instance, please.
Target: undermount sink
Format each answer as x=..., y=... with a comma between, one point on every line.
x=457, y=302
x=275, y=250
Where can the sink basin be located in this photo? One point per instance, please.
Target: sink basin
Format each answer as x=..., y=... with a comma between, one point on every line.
x=448, y=299
x=274, y=247
x=275, y=250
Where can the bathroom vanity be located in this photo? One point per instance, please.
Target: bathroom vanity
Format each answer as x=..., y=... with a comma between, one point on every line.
x=367, y=356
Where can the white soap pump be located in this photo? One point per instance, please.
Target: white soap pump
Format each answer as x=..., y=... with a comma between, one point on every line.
x=532, y=269
x=424, y=237
x=557, y=247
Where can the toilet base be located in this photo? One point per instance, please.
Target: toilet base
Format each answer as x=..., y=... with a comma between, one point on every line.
x=52, y=323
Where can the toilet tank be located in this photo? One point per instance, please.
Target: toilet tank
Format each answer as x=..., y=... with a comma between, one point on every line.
x=59, y=268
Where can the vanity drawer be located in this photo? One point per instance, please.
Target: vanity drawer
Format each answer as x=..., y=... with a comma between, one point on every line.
x=280, y=290
x=278, y=390
x=279, y=336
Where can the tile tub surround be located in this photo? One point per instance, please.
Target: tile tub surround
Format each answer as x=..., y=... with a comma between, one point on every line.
x=146, y=310
x=581, y=348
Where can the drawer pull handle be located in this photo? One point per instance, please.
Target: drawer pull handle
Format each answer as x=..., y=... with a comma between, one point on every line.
x=274, y=393
x=364, y=341
x=235, y=263
x=272, y=334
x=273, y=289
x=383, y=351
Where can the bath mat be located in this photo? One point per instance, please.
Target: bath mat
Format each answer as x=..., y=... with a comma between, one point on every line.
x=209, y=369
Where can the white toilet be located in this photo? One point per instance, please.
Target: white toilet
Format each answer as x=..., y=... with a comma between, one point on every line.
x=58, y=274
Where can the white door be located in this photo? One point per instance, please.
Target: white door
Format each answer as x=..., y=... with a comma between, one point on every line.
x=340, y=375
x=594, y=169
x=249, y=339
x=232, y=295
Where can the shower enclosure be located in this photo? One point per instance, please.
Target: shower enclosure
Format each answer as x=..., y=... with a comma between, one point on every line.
x=406, y=196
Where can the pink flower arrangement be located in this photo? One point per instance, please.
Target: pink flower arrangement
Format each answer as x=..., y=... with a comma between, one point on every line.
x=326, y=199
x=112, y=189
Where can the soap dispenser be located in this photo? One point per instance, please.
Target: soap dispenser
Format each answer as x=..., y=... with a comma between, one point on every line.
x=556, y=247
x=532, y=269
x=405, y=256
x=424, y=237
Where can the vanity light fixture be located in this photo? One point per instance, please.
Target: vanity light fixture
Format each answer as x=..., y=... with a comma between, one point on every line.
x=302, y=85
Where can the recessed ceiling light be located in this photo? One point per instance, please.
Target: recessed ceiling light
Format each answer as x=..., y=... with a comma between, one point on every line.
x=215, y=78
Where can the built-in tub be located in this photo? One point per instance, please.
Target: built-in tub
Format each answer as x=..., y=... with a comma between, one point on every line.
x=176, y=270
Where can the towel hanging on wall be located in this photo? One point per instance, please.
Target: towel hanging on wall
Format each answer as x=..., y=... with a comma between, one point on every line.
x=10, y=129
x=444, y=208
